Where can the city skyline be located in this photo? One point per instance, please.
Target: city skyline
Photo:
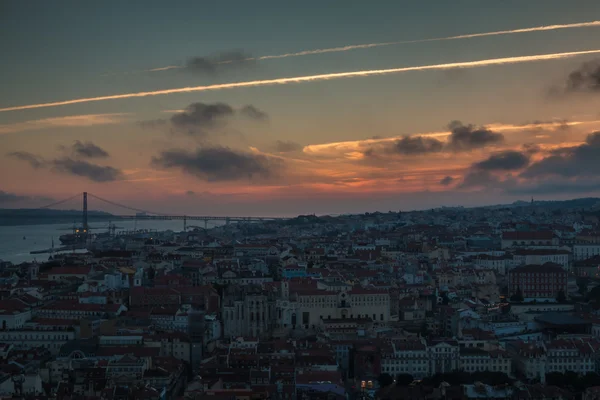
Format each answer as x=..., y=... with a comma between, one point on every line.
x=267, y=109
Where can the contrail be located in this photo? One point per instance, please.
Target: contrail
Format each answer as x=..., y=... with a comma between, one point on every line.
x=312, y=78
x=371, y=45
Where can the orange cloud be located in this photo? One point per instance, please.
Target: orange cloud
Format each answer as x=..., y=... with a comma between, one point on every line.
x=70, y=121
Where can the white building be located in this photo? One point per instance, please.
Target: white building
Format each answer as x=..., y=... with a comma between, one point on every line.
x=406, y=357
x=443, y=356
x=28, y=339
x=585, y=251
x=11, y=318
x=575, y=355
x=479, y=360
x=542, y=256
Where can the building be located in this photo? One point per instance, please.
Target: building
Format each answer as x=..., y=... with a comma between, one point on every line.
x=538, y=281
x=542, y=256
x=473, y=359
x=406, y=357
x=443, y=355
x=531, y=239
x=585, y=251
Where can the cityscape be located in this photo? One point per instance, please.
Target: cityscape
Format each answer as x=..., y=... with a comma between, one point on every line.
x=328, y=200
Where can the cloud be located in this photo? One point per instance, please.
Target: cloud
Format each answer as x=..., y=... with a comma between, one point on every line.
x=411, y=145
x=67, y=165
x=7, y=197
x=287, y=146
x=71, y=121
x=218, y=63
x=254, y=113
x=586, y=78
x=468, y=137
x=89, y=150
x=219, y=163
x=208, y=63
x=478, y=179
x=202, y=116
x=503, y=161
x=33, y=160
x=462, y=138
x=190, y=193
x=531, y=148
x=198, y=119
x=577, y=161
x=447, y=181
x=96, y=173
x=313, y=78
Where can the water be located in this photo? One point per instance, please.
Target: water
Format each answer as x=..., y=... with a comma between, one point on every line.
x=15, y=249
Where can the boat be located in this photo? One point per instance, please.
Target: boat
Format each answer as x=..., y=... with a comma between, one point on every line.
x=78, y=236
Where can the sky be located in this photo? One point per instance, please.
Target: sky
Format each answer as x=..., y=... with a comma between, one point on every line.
x=270, y=108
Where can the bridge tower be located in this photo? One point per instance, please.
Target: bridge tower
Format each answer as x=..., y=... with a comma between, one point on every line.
x=85, y=213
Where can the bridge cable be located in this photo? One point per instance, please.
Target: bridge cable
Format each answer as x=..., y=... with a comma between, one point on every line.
x=127, y=207
x=61, y=201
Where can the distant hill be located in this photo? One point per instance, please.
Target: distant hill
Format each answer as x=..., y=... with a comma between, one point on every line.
x=34, y=216
x=587, y=203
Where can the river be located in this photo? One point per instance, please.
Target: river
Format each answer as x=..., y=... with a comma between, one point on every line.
x=17, y=241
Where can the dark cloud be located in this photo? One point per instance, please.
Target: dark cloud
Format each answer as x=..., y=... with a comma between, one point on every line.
x=447, y=181
x=7, y=197
x=468, y=137
x=570, y=162
x=202, y=116
x=89, y=150
x=215, y=64
x=462, y=138
x=287, y=146
x=71, y=166
x=504, y=161
x=254, y=113
x=219, y=163
x=96, y=173
x=199, y=119
x=33, y=160
x=190, y=193
x=412, y=145
x=586, y=78
x=478, y=179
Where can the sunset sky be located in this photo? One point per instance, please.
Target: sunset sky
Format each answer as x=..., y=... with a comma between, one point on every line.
x=266, y=108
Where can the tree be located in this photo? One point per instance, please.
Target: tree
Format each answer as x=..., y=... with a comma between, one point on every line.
x=404, y=379
x=560, y=296
x=385, y=380
x=582, y=286
x=518, y=296
x=151, y=273
x=424, y=331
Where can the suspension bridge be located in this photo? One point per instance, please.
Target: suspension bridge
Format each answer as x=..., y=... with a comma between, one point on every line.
x=146, y=215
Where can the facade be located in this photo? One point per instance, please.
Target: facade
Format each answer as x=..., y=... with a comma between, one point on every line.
x=585, y=251
x=538, y=281
x=25, y=339
x=542, y=256
x=443, y=355
x=248, y=314
x=479, y=360
x=529, y=239
x=406, y=357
